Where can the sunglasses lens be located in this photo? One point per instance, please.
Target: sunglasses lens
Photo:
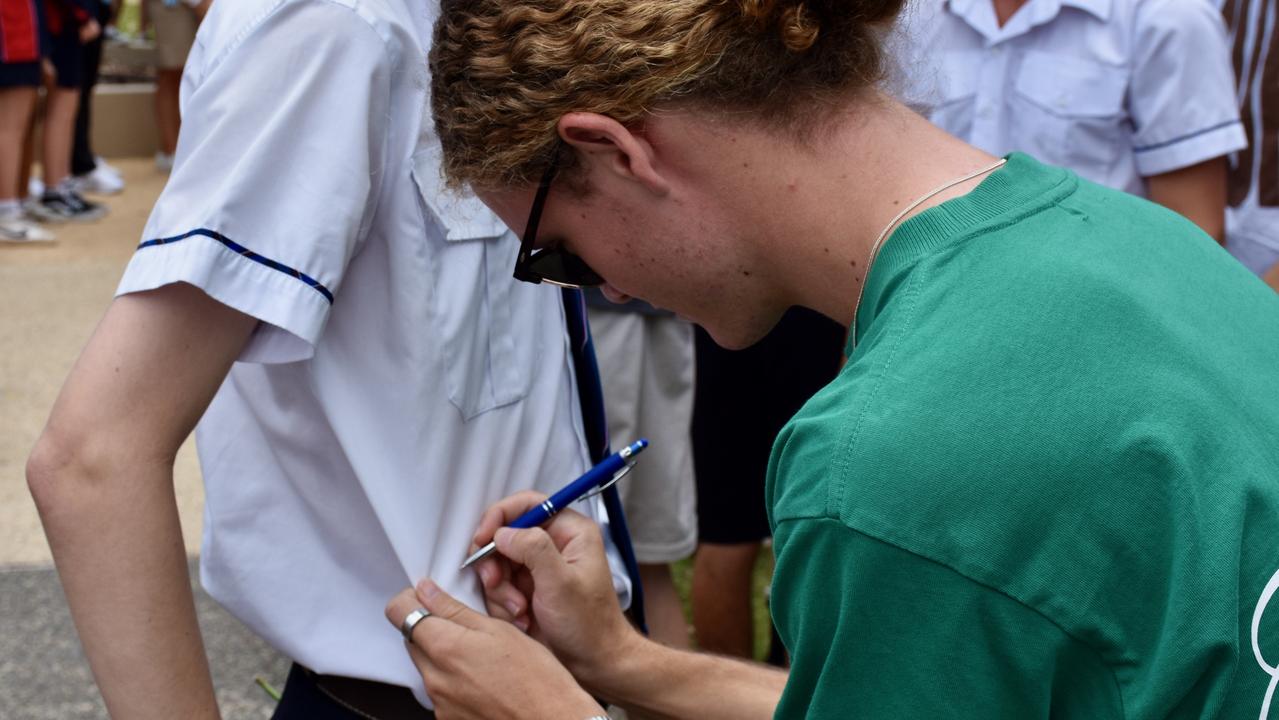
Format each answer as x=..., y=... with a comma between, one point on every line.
x=563, y=268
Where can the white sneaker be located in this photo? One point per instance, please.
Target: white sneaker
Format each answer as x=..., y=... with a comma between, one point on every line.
x=18, y=230
x=163, y=161
x=105, y=166
x=100, y=181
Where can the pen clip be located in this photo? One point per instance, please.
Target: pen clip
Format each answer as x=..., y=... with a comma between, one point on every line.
x=616, y=476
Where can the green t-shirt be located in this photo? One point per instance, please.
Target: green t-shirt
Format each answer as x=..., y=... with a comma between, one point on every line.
x=1046, y=484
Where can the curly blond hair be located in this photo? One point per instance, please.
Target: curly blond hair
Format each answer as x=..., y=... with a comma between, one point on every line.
x=505, y=71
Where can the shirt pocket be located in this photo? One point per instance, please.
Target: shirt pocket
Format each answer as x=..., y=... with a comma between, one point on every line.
x=1071, y=112
x=471, y=256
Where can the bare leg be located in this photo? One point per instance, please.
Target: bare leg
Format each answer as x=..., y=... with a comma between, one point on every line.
x=722, y=613
x=16, y=106
x=662, y=608
x=28, y=154
x=59, y=134
x=168, y=118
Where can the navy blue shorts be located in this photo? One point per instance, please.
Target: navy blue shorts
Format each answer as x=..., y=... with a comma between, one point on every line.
x=742, y=398
x=24, y=74
x=67, y=55
x=308, y=696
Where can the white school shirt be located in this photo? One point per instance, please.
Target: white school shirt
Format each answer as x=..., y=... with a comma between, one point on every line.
x=400, y=380
x=1253, y=218
x=1115, y=90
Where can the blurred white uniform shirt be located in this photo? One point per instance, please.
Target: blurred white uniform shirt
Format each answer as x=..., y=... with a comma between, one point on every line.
x=1116, y=90
x=1252, y=219
x=400, y=380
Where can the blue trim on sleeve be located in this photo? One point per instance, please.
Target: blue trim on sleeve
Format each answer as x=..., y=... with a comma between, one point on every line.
x=239, y=249
x=1174, y=141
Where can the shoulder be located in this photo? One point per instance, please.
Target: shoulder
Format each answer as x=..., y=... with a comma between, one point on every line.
x=1191, y=19
x=328, y=25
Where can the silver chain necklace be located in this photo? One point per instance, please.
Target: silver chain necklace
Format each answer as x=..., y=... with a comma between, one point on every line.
x=883, y=235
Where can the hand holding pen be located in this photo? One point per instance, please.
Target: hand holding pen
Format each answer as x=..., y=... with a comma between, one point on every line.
x=508, y=585
x=608, y=470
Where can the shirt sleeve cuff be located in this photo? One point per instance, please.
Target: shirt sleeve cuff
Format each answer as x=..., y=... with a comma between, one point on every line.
x=1190, y=148
x=294, y=312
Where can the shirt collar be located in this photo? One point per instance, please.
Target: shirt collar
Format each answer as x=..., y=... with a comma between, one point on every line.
x=1099, y=8
x=1041, y=11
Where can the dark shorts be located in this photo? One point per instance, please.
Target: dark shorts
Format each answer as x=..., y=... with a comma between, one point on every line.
x=308, y=696
x=741, y=401
x=66, y=53
x=26, y=74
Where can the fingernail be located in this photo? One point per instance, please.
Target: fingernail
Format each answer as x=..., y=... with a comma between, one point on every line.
x=428, y=588
x=512, y=608
x=521, y=623
x=503, y=535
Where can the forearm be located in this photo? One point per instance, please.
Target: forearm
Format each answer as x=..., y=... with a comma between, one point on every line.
x=117, y=543
x=660, y=681
x=102, y=478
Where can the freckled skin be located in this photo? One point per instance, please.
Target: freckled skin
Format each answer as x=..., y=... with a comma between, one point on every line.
x=674, y=216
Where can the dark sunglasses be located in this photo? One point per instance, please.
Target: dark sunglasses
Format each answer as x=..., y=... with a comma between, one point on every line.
x=552, y=265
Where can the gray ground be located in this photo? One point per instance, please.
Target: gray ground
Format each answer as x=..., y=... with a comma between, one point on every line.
x=51, y=297
x=43, y=674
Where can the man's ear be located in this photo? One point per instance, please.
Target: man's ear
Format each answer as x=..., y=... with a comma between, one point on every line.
x=611, y=147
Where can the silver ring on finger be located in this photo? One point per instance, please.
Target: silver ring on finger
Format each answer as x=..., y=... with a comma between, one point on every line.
x=411, y=621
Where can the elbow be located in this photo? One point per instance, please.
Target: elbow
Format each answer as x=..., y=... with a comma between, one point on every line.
x=68, y=471
x=54, y=471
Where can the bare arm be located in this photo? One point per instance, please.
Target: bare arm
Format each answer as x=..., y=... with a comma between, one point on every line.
x=1198, y=192
x=102, y=478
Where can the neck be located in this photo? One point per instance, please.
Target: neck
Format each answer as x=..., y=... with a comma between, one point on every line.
x=830, y=203
x=1005, y=9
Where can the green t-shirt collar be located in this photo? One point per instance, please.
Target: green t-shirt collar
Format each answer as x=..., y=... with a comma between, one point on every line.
x=1023, y=186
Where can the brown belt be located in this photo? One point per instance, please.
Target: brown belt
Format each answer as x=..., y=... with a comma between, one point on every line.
x=370, y=699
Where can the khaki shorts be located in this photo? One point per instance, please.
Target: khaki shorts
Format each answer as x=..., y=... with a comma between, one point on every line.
x=174, y=33
x=646, y=368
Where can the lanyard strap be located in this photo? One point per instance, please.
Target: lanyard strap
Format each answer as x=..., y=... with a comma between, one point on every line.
x=595, y=423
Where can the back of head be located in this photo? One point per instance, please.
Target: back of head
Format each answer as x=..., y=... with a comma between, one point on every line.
x=505, y=71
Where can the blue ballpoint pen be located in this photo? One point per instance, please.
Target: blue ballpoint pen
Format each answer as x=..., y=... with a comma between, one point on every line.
x=596, y=476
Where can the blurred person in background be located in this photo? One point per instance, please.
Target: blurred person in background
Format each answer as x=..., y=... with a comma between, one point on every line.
x=175, y=23
x=1252, y=218
x=93, y=174
x=744, y=397
x=72, y=25
x=646, y=368
x=1136, y=95
x=21, y=41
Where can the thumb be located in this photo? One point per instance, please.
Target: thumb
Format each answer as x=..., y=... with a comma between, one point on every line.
x=532, y=548
x=447, y=607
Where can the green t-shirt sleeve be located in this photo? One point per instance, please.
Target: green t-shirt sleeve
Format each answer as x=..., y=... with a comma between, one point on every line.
x=875, y=632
